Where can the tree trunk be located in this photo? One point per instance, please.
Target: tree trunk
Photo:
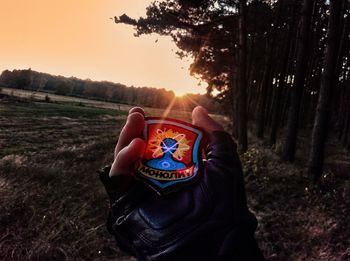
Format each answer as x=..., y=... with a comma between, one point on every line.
x=266, y=82
x=276, y=116
x=301, y=64
x=340, y=70
x=321, y=124
x=242, y=85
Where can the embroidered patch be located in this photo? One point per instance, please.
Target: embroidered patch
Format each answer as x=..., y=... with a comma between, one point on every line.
x=172, y=157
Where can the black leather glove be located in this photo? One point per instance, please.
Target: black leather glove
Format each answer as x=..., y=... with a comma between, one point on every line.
x=208, y=220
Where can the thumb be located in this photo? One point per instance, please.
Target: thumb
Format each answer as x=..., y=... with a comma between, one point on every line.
x=220, y=144
x=201, y=119
x=124, y=162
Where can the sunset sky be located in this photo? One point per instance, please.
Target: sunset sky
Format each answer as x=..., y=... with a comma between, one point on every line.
x=78, y=38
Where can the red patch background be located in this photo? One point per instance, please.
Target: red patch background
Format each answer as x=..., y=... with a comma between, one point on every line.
x=189, y=135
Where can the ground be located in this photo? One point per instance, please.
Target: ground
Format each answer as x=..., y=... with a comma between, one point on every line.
x=53, y=206
x=297, y=221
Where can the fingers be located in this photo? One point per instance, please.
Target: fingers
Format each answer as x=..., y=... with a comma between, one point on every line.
x=129, y=147
x=137, y=109
x=201, y=119
x=221, y=147
x=125, y=160
x=132, y=129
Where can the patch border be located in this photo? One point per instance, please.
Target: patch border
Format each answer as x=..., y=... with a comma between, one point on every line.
x=168, y=187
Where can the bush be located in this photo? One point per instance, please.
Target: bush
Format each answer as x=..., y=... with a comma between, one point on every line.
x=47, y=98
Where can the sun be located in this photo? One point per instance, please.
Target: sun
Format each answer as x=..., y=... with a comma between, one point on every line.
x=179, y=92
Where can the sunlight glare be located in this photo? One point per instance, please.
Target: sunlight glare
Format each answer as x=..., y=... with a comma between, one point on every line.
x=179, y=93
x=168, y=109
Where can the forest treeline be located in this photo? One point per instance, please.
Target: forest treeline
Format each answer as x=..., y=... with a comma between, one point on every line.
x=279, y=64
x=105, y=91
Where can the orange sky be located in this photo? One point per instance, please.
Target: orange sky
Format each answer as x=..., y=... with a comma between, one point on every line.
x=77, y=38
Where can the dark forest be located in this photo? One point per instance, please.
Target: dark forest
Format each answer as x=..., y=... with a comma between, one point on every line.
x=278, y=64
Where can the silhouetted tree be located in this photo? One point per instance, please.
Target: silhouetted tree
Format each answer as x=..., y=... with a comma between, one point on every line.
x=327, y=90
x=301, y=66
x=242, y=86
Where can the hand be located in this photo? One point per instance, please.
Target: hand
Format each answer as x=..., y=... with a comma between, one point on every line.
x=130, y=146
x=208, y=220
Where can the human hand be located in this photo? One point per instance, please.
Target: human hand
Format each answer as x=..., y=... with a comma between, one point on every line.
x=207, y=221
x=130, y=146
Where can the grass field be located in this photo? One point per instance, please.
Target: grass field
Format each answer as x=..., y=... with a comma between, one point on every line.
x=26, y=94
x=52, y=204
x=41, y=96
x=53, y=207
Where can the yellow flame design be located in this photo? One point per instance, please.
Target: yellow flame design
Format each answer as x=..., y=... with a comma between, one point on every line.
x=155, y=143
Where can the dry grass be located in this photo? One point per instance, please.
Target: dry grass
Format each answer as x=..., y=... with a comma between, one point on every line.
x=40, y=96
x=297, y=221
x=53, y=206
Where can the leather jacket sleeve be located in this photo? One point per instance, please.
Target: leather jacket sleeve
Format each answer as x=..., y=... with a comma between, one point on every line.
x=208, y=220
